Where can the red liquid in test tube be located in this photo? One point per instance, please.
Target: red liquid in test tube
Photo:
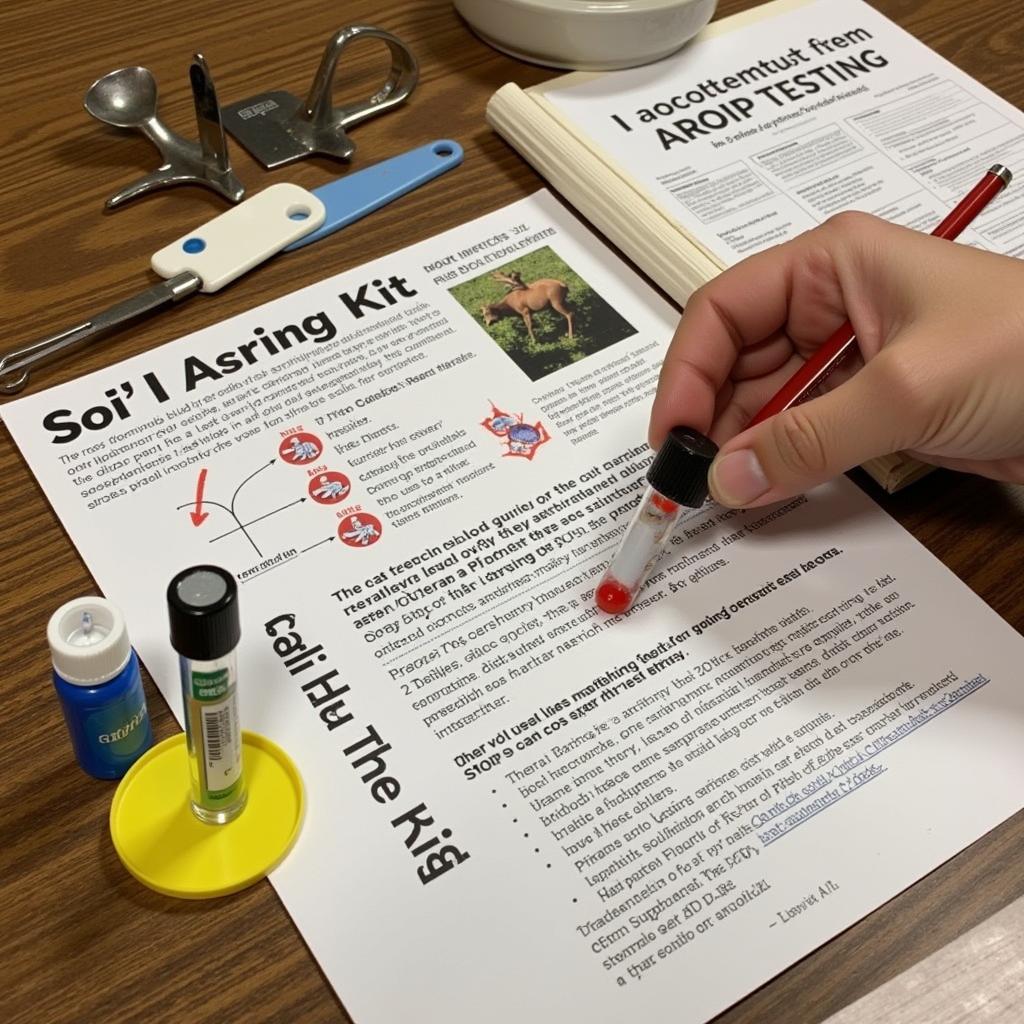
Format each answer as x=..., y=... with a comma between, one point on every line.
x=679, y=472
x=677, y=479
x=641, y=546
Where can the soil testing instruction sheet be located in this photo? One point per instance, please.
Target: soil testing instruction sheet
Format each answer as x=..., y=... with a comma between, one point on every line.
x=518, y=807
x=750, y=136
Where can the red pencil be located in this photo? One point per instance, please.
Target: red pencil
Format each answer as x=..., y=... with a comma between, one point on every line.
x=838, y=346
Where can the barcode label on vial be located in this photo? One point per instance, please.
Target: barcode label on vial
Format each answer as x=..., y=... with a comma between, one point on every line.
x=212, y=727
x=221, y=752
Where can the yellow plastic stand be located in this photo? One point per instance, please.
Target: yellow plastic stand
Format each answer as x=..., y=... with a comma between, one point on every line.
x=166, y=847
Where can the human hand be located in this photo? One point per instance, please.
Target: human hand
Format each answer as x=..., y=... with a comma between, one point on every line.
x=940, y=330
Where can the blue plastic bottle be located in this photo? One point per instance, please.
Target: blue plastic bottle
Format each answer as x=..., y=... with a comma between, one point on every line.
x=96, y=675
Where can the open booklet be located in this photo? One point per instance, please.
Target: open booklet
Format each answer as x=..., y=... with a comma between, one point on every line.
x=763, y=126
x=518, y=808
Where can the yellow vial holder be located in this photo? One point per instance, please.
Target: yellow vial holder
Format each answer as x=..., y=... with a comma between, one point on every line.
x=167, y=848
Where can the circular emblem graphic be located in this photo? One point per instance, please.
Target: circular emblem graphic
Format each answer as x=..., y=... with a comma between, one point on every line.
x=328, y=488
x=524, y=433
x=359, y=530
x=300, y=448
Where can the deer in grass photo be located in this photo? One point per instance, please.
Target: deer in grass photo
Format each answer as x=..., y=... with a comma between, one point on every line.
x=511, y=280
x=523, y=300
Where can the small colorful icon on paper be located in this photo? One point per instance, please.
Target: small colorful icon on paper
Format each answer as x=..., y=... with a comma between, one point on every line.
x=299, y=448
x=498, y=423
x=521, y=439
x=359, y=530
x=329, y=487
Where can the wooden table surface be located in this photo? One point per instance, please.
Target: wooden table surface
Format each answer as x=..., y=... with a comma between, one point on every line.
x=79, y=939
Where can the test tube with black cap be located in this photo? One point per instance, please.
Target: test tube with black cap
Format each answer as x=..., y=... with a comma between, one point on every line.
x=677, y=479
x=202, y=603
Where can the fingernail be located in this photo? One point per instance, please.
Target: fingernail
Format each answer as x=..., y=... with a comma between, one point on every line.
x=737, y=479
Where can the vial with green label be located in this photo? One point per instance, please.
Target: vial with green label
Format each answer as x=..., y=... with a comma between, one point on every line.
x=202, y=603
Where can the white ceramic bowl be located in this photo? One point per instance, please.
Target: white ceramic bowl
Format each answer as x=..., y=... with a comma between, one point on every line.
x=587, y=35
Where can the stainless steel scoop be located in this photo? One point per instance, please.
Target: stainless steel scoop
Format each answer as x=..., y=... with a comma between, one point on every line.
x=127, y=98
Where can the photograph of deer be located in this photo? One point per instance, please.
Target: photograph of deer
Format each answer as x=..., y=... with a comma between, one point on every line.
x=524, y=300
x=541, y=313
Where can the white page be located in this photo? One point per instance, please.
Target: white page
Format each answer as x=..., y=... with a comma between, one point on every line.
x=642, y=800
x=750, y=136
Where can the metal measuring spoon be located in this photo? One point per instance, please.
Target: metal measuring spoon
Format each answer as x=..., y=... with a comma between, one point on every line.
x=127, y=98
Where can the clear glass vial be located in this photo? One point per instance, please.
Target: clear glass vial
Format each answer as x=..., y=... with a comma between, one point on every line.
x=202, y=603
x=677, y=478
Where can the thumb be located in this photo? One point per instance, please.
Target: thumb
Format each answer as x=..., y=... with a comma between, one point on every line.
x=810, y=443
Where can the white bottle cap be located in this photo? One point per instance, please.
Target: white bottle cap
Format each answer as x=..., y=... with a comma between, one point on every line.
x=88, y=641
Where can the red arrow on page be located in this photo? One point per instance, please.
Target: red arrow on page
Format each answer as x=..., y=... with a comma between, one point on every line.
x=199, y=515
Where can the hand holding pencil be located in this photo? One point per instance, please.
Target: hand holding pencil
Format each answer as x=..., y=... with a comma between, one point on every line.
x=936, y=368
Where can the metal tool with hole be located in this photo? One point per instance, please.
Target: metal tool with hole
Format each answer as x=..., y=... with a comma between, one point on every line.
x=206, y=260
x=127, y=98
x=283, y=216
x=278, y=127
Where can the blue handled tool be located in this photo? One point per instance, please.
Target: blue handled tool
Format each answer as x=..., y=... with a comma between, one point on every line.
x=354, y=196
x=281, y=217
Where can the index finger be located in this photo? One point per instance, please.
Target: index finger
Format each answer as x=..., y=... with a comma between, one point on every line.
x=741, y=307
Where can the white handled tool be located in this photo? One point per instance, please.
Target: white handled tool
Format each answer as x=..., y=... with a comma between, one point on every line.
x=204, y=260
x=280, y=217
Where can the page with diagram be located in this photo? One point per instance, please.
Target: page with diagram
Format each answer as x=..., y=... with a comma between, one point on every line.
x=521, y=808
x=774, y=120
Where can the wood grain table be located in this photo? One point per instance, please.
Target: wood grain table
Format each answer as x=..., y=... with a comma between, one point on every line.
x=977, y=977
x=79, y=939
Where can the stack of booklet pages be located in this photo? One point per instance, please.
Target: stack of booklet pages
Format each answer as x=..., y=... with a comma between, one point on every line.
x=763, y=126
x=523, y=808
